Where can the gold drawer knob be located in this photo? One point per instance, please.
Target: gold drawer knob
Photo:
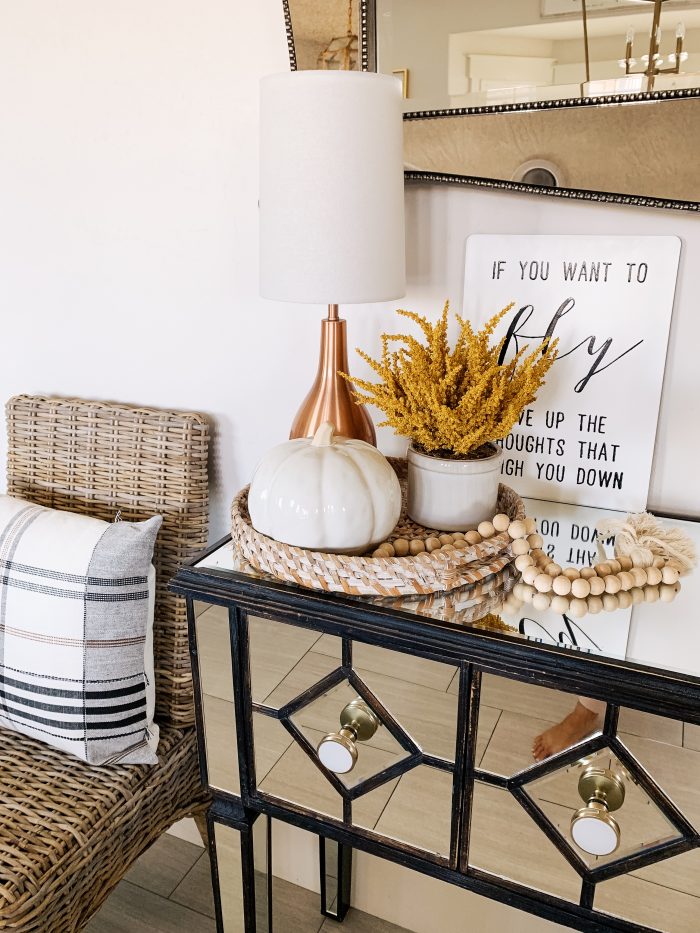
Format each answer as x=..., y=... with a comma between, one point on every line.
x=338, y=750
x=593, y=829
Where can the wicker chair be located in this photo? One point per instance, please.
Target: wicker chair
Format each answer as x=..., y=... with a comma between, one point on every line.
x=69, y=831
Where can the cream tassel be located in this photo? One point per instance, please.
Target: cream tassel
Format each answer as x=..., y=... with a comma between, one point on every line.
x=642, y=537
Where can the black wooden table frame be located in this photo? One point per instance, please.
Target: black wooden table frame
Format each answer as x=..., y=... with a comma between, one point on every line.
x=473, y=652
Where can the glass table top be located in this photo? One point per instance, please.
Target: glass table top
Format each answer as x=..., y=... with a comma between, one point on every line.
x=660, y=635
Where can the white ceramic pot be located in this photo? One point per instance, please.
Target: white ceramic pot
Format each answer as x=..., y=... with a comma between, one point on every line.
x=452, y=495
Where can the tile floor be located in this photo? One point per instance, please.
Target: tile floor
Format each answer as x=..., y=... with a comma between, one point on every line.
x=169, y=891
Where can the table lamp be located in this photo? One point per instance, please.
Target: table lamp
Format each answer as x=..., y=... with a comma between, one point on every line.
x=331, y=214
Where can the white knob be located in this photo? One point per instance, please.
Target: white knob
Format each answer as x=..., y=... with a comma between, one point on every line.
x=593, y=829
x=595, y=835
x=337, y=751
x=336, y=756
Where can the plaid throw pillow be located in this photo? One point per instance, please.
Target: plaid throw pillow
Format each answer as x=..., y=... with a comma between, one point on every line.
x=76, y=632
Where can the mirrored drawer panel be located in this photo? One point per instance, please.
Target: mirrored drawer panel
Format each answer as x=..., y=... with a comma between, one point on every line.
x=619, y=806
x=372, y=744
x=216, y=686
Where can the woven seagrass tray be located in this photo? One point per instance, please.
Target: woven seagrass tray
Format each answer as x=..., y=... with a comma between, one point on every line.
x=463, y=606
x=426, y=573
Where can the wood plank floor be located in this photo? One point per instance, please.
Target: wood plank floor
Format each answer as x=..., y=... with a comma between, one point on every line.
x=169, y=891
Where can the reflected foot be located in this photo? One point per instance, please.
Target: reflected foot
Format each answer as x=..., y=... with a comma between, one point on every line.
x=576, y=726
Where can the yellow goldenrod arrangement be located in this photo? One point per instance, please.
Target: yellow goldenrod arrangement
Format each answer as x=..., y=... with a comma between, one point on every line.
x=451, y=402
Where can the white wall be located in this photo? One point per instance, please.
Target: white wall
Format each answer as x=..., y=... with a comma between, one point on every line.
x=439, y=220
x=128, y=241
x=128, y=237
x=128, y=202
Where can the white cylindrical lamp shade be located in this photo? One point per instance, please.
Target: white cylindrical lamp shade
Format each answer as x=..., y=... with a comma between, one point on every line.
x=331, y=188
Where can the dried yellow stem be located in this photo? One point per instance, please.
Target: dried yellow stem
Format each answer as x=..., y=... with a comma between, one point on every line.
x=452, y=400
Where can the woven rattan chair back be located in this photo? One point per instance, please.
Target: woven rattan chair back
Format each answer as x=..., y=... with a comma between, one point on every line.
x=101, y=459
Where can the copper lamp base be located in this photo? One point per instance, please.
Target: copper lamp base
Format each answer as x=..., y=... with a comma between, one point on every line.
x=330, y=397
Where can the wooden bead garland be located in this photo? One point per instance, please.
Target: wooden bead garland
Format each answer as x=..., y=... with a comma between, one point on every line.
x=612, y=584
x=456, y=540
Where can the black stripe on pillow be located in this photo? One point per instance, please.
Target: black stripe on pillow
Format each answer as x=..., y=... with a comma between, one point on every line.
x=72, y=726
x=29, y=687
x=71, y=577
x=79, y=708
x=73, y=738
x=74, y=594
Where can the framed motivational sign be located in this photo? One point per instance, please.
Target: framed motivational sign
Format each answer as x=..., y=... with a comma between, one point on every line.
x=589, y=437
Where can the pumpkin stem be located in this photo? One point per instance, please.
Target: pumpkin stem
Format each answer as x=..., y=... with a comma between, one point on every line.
x=324, y=435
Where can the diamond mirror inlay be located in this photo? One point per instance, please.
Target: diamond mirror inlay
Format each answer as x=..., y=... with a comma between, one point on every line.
x=576, y=799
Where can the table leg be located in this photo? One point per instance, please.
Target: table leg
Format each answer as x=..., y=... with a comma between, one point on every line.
x=336, y=878
x=242, y=894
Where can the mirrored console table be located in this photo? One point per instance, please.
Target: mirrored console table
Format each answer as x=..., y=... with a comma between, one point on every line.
x=405, y=728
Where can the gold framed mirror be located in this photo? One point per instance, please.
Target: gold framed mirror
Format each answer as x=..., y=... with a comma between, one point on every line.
x=590, y=99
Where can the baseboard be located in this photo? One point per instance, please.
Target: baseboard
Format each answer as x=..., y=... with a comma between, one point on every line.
x=187, y=829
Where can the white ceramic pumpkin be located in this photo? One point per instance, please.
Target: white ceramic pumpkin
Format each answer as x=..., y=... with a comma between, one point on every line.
x=325, y=493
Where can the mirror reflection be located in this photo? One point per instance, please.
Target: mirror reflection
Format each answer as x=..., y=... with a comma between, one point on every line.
x=599, y=809
x=457, y=59
x=216, y=696
x=326, y=34
x=348, y=753
x=506, y=842
x=605, y=805
x=455, y=54
x=418, y=812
